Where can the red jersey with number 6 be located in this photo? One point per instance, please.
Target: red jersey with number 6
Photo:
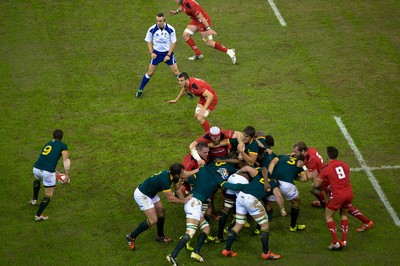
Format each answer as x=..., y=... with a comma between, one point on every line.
x=313, y=160
x=197, y=87
x=192, y=9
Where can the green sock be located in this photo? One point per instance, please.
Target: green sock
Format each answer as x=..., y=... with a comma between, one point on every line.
x=264, y=240
x=200, y=241
x=181, y=244
x=160, y=226
x=36, y=188
x=43, y=205
x=229, y=242
x=294, y=214
x=143, y=226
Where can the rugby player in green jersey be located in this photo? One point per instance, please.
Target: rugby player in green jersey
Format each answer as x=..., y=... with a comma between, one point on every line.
x=286, y=169
x=149, y=202
x=45, y=169
x=205, y=181
x=245, y=147
x=249, y=201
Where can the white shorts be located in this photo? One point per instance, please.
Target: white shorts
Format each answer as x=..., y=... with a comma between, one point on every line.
x=246, y=203
x=49, y=179
x=289, y=191
x=198, y=110
x=236, y=179
x=193, y=209
x=144, y=202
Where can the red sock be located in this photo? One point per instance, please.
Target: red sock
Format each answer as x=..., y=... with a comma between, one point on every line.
x=356, y=213
x=220, y=47
x=192, y=45
x=206, y=126
x=332, y=229
x=345, y=227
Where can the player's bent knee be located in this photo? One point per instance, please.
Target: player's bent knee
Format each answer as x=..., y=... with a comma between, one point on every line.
x=228, y=203
x=240, y=219
x=262, y=220
x=153, y=221
x=187, y=33
x=191, y=229
x=204, y=226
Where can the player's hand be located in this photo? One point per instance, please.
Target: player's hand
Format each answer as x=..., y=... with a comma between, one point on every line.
x=201, y=162
x=211, y=32
x=202, y=111
x=173, y=12
x=240, y=146
x=187, y=198
x=172, y=101
x=283, y=212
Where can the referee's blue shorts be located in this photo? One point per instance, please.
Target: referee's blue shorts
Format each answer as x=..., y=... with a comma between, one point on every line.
x=160, y=58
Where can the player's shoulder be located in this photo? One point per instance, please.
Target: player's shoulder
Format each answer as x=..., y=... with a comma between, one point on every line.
x=227, y=134
x=191, y=3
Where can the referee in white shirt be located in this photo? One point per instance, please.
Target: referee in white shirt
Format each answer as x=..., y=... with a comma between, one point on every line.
x=161, y=40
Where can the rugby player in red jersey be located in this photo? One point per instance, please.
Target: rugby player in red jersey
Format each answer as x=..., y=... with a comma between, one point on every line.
x=314, y=163
x=200, y=21
x=213, y=138
x=199, y=88
x=337, y=175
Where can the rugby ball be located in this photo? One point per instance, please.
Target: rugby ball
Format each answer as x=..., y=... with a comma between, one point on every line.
x=62, y=178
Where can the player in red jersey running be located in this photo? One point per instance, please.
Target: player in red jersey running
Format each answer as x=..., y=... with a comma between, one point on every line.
x=199, y=88
x=200, y=21
x=337, y=175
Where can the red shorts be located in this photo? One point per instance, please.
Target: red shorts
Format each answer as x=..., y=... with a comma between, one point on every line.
x=340, y=199
x=212, y=105
x=200, y=25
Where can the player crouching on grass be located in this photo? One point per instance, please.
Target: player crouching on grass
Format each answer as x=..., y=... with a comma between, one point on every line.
x=45, y=169
x=149, y=202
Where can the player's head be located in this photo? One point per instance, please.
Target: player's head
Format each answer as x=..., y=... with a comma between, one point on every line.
x=183, y=79
x=215, y=134
x=248, y=134
x=58, y=134
x=332, y=152
x=270, y=141
x=300, y=148
x=176, y=171
x=179, y=2
x=203, y=149
x=160, y=18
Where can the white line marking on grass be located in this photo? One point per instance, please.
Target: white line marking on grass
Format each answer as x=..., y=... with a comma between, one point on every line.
x=383, y=167
x=367, y=170
x=277, y=13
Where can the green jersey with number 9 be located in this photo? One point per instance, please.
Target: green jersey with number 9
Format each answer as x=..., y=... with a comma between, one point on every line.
x=50, y=155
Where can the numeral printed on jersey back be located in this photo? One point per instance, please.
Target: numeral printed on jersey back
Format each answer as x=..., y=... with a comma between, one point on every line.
x=340, y=172
x=46, y=150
